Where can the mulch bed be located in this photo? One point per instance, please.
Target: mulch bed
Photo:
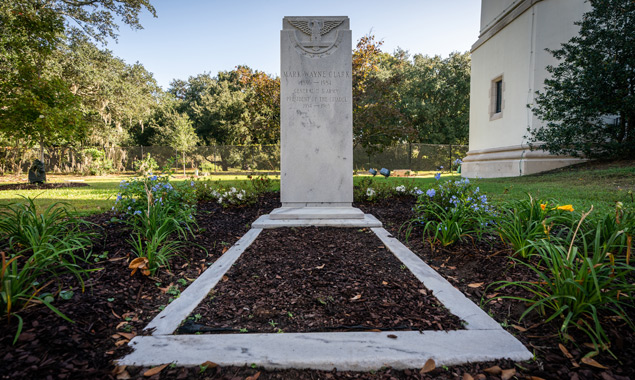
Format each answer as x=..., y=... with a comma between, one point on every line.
x=116, y=306
x=319, y=279
x=41, y=186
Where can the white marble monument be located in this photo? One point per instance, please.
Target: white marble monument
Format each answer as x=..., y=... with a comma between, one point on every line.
x=316, y=124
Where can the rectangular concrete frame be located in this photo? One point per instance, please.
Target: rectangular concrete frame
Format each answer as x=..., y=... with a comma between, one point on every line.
x=484, y=339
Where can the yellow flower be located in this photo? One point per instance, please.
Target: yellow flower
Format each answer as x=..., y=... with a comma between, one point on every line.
x=543, y=206
x=565, y=208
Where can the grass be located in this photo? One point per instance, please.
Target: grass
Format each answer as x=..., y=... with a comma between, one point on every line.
x=581, y=187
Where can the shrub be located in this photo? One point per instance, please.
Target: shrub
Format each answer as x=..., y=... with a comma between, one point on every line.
x=260, y=184
x=233, y=196
x=145, y=166
x=179, y=199
x=369, y=190
x=98, y=163
x=578, y=279
x=449, y=212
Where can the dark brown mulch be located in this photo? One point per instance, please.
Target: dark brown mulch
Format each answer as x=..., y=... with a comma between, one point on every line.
x=115, y=306
x=319, y=279
x=53, y=348
x=41, y=186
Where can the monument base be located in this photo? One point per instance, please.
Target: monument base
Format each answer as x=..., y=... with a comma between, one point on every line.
x=317, y=217
x=316, y=213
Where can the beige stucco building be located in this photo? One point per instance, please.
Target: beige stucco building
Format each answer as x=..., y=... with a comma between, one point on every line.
x=508, y=67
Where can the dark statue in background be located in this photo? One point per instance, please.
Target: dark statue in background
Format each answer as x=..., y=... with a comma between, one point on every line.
x=37, y=174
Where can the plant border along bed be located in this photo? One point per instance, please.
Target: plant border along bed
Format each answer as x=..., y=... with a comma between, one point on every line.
x=482, y=340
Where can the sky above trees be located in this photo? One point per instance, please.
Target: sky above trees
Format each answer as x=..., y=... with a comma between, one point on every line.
x=190, y=37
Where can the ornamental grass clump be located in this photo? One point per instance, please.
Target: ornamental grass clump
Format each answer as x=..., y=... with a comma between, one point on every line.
x=55, y=231
x=36, y=249
x=581, y=283
x=521, y=222
x=450, y=212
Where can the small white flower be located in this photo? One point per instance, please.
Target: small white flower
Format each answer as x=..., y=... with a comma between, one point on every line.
x=400, y=189
x=239, y=196
x=220, y=199
x=370, y=192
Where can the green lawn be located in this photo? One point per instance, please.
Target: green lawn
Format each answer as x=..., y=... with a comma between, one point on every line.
x=579, y=187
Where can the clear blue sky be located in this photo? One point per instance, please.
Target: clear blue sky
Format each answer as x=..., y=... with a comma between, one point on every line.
x=190, y=37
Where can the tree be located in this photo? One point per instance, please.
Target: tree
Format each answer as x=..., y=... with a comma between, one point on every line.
x=35, y=107
x=377, y=119
x=37, y=102
x=588, y=104
x=173, y=128
x=94, y=18
x=263, y=103
x=436, y=98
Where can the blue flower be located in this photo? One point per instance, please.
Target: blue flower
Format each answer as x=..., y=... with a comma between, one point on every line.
x=129, y=208
x=437, y=176
x=440, y=167
x=138, y=212
x=431, y=193
x=458, y=161
x=153, y=178
x=418, y=191
x=192, y=183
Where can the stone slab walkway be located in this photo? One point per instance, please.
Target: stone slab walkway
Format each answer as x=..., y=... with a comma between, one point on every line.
x=482, y=340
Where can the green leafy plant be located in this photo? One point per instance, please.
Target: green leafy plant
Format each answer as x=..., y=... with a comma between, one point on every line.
x=54, y=231
x=151, y=238
x=260, y=184
x=145, y=166
x=449, y=226
x=522, y=222
x=97, y=163
x=229, y=196
x=179, y=198
x=449, y=212
x=577, y=279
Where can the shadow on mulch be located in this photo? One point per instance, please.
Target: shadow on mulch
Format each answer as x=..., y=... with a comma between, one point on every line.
x=115, y=306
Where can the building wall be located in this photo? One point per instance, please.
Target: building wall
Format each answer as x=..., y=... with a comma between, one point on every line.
x=514, y=36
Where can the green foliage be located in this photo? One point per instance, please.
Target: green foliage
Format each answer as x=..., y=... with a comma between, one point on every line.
x=376, y=119
x=579, y=278
x=54, y=232
x=450, y=211
x=593, y=80
x=523, y=222
x=233, y=195
x=41, y=248
x=435, y=97
x=98, y=163
x=139, y=194
x=146, y=165
x=260, y=184
x=369, y=189
x=51, y=92
x=152, y=230
x=447, y=226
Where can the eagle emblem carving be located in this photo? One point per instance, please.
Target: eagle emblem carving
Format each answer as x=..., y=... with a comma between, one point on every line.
x=316, y=28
